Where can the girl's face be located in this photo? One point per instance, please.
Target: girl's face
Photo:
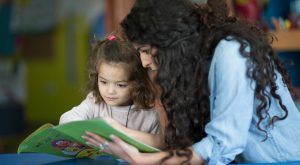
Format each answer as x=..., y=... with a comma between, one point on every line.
x=147, y=55
x=114, y=85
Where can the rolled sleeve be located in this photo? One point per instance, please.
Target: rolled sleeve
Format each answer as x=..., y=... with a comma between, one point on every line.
x=204, y=148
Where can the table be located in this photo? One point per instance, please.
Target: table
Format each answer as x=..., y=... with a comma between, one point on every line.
x=47, y=159
x=283, y=163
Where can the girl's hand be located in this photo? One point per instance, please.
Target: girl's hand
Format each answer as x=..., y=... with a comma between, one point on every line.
x=116, y=147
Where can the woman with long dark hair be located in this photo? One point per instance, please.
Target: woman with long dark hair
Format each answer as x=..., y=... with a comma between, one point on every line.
x=225, y=93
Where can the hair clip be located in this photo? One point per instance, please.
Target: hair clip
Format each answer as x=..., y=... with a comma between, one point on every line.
x=111, y=37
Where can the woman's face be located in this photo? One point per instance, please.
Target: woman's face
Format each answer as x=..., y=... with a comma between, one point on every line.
x=147, y=55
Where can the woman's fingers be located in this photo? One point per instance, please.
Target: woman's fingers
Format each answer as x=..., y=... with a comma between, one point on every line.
x=97, y=141
x=93, y=139
x=116, y=147
x=125, y=147
x=122, y=149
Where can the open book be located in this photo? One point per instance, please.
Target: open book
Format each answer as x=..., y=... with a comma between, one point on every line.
x=65, y=140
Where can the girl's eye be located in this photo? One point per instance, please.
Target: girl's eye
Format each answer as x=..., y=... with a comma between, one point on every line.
x=122, y=85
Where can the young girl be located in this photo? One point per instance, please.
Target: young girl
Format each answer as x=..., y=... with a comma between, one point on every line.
x=119, y=88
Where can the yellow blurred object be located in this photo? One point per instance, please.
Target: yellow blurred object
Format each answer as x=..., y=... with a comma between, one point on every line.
x=287, y=24
x=56, y=85
x=241, y=2
x=23, y=2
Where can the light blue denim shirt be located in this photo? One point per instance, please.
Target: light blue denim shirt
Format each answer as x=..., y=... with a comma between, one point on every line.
x=232, y=131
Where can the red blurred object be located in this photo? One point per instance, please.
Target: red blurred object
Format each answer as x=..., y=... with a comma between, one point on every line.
x=248, y=9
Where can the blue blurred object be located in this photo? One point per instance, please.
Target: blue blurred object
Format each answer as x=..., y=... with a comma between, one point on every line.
x=276, y=8
x=282, y=163
x=292, y=64
x=7, y=39
x=12, y=120
x=98, y=28
x=46, y=159
x=280, y=8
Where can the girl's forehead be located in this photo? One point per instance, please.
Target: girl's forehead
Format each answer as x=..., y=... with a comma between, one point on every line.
x=113, y=72
x=119, y=65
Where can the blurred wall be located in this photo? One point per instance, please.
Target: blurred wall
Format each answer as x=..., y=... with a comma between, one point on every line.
x=44, y=52
x=52, y=41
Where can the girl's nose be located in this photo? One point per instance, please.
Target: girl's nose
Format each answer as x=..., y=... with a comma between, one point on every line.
x=111, y=89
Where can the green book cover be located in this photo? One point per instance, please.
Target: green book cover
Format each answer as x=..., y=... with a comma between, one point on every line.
x=65, y=140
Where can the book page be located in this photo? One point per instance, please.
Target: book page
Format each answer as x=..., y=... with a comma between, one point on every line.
x=78, y=128
x=48, y=140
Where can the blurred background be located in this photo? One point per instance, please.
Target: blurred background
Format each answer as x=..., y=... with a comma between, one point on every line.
x=45, y=44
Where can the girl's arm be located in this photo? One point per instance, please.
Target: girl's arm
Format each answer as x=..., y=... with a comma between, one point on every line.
x=154, y=140
x=132, y=155
x=83, y=111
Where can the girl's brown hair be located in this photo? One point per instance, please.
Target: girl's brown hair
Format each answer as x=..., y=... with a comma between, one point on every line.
x=117, y=50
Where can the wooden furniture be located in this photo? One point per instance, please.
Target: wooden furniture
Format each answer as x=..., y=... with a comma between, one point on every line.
x=287, y=40
x=116, y=10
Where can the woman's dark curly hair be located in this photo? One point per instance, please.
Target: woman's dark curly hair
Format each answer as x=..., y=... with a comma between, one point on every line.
x=120, y=52
x=186, y=35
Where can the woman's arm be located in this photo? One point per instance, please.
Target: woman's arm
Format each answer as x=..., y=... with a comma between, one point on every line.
x=154, y=140
x=132, y=155
x=232, y=103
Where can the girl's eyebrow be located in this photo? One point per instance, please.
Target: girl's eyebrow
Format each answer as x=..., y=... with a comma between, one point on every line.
x=124, y=81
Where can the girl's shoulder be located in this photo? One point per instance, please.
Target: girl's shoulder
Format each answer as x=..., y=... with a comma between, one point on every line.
x=90, y=97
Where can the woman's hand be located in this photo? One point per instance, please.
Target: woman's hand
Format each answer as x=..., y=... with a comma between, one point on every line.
x=131, y=154
x=116, y=146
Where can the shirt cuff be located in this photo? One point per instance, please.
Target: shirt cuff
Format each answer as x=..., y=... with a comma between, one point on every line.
x=208, y=150
x=204, y=148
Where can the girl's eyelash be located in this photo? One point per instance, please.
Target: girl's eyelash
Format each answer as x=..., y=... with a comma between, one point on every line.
x=122, y=85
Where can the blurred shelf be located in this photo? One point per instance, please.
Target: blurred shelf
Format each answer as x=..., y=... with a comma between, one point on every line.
x=288, y=41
